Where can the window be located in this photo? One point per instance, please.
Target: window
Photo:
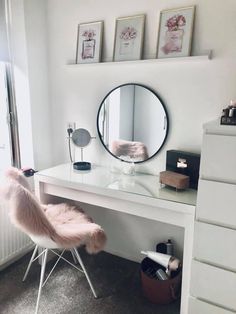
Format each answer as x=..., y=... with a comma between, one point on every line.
x=9, y=139
x=9, y=143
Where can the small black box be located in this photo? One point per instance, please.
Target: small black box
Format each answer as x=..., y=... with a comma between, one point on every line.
x=185, y=163
x=228, y=120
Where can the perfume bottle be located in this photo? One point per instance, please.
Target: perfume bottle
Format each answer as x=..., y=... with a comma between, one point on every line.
x=129, y=168
x=88, y=49
x=174, y=39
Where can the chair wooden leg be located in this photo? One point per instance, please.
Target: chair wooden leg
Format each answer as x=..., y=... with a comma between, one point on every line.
x=43, y=266
x=85, y=272
x=30, y=262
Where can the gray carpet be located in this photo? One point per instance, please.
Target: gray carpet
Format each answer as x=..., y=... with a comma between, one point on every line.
x=116, y=281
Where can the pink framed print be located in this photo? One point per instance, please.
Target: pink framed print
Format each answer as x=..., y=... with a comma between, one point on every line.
x=175, y=32
x=89, y=42
x=128, y=41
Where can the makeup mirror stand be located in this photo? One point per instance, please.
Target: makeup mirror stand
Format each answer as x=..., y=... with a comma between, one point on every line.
x=81, y=138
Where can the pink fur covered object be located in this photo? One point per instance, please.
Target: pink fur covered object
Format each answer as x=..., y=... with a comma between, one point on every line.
x=66, y=225
x=135, y=150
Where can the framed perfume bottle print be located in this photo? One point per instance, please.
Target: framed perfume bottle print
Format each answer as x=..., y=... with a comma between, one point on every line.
x=89, y=42
x=175, y=32
x=128, y=42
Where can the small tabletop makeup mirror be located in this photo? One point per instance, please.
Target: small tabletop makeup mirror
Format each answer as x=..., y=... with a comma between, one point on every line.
x=81, y=138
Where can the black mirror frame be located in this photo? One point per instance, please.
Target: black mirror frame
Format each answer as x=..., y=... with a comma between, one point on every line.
x=167, y=121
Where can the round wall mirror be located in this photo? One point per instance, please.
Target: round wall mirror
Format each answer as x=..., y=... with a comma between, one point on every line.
x=132, y=123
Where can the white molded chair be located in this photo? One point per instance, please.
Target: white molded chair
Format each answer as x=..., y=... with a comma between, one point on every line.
x=51, y=227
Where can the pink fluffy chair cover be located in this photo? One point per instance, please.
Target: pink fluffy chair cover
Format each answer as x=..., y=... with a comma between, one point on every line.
x=65, y=224
x=134, y=150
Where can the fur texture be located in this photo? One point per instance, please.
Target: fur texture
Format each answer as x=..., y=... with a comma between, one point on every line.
x=16, y=175
x=135, y=150
x=66, y=225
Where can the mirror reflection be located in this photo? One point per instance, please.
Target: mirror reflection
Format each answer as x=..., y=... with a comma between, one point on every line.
x=132, y=123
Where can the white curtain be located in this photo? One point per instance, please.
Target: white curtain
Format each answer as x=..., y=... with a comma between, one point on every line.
x=5, y=150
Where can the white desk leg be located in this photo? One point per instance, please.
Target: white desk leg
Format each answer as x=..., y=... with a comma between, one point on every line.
x=187, y=261
x=38, y=186
x=39, y=192
x=43, y=197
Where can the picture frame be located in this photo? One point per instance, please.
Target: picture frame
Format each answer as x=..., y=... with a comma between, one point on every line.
x=128, y=39
x=175, y=32
x=89, y=42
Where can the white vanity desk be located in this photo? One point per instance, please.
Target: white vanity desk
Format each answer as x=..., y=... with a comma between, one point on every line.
x=139, y=195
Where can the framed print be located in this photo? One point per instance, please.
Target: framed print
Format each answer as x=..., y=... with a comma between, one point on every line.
x=175, y=32
x=89, y=42
x=128, y=42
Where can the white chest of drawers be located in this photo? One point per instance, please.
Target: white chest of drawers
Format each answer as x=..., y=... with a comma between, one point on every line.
x=213, y=274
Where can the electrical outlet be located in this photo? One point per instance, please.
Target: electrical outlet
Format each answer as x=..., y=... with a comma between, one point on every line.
x=71, y=125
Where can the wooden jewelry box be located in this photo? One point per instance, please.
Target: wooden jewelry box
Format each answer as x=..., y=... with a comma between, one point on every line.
x=174, y=179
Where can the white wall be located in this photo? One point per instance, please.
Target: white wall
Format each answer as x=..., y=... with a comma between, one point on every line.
x=193, y=92
x=38, y=71
x=3, y=37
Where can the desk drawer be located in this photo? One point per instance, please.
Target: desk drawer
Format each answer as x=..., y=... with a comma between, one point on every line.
x=216, y=203
x=201, y=307
x=215, y=245
x=218, y=158
x=213, y=284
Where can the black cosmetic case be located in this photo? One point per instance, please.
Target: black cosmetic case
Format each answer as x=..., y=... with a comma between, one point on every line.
x=185, y=163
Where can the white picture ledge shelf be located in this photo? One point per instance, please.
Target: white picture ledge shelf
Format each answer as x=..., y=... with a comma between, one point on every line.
x=147, y=61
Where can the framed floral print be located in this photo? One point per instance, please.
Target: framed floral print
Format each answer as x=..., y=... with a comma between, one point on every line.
x=89, y=42
x=128, y=42
x=175, y=32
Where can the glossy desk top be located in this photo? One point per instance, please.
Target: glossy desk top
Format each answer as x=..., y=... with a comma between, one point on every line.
x=101, y=177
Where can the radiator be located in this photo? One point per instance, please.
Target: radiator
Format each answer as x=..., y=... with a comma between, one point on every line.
x=13, y=243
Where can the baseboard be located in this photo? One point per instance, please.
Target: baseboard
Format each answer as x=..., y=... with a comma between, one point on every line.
x=30, y=247
x=123, y=255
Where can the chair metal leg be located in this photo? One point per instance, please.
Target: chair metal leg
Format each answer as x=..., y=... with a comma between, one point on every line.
x=74, y=257
x=85, y=272
x=43, y=266
x=54, y=266
x=30, y=262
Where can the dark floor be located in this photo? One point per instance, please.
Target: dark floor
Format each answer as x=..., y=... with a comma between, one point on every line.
x=116, y=280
